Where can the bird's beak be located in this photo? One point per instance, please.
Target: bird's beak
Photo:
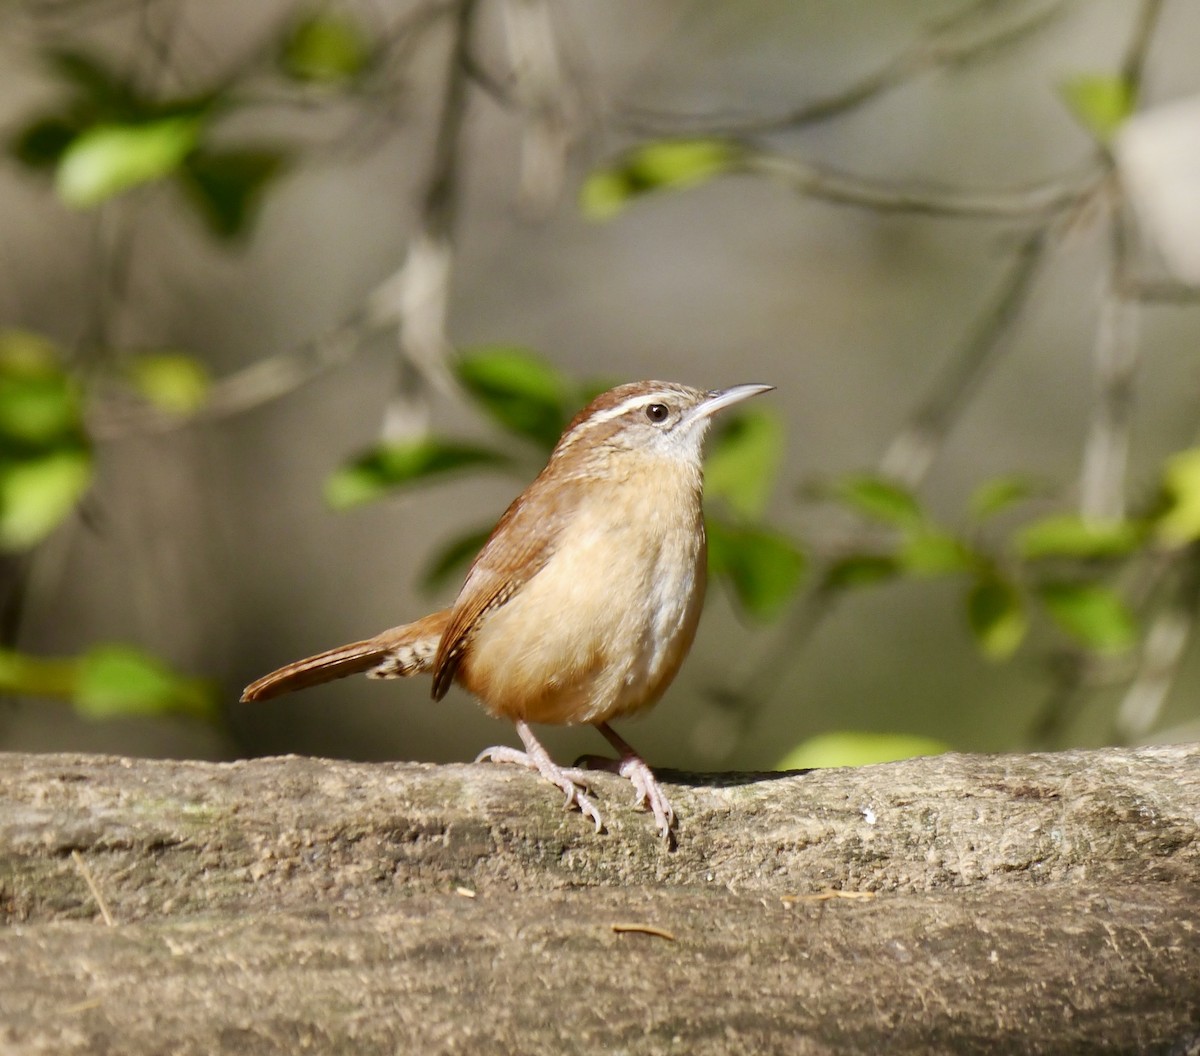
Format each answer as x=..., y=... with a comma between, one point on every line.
x=719, y=399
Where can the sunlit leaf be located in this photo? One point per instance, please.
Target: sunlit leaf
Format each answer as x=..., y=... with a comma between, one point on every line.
x=110, y=158
x=742, y=461
x=1099, y=102
x=860, y=570
x=1090, y=612
x=1069, y=535
x=764, y=567
x=228, y=186
x=671, y=163
x=173, y=382
x=879, y=499
x=117, y=680
x=451, y=561
x=933, y=553
x=382, y=469
x=999, y=494
x=996, y=615
x=858, y=749
x=37, y=493
x=1179, y=521
x=519, y=389
x=325, y=48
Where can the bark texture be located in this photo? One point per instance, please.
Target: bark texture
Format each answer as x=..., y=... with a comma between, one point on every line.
x=960, y=904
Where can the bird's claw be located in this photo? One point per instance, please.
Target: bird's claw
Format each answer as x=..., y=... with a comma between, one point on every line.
x=572, y=781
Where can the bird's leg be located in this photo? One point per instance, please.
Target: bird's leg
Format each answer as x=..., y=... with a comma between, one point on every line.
x=571, y=780
x=633, y=767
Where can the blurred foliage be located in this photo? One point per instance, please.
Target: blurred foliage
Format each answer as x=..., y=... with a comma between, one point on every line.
x=1099, y=102
x=325, y=47
x=108, y=681
x=669, y=164
x=173, y=382
x=45, y=457
x=1059, y=566
x=106, y=137
x=858, y=749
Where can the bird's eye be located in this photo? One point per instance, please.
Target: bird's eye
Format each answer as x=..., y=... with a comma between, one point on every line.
x=657, y=412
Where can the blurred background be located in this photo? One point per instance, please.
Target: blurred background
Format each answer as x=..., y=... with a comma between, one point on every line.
x=294, y=295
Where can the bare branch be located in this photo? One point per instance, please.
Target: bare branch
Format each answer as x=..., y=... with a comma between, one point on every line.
x=964, y=36
x=912, y=452
x=1162, y=652
x=541, y=88
x=1035, y=202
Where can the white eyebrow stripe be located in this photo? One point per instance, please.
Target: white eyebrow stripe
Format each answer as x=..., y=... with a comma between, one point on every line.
x=629, y=404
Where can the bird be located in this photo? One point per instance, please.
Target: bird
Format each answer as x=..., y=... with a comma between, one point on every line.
x=584, y=600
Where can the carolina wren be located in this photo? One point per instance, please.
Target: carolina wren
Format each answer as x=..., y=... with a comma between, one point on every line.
x=584, y=600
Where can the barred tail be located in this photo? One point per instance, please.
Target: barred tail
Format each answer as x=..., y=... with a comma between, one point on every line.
x=395, y=653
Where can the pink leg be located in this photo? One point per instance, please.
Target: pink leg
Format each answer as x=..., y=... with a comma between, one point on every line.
x=633, y=767
x=572, y=781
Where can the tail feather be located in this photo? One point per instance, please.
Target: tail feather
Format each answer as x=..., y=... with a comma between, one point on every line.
x=395, y=653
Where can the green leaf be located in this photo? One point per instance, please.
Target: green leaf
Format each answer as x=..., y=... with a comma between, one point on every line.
x=37, y=676
x=228, y=186
x=933, y=553
x=39, y=407
x=382, y=469
x=100, y=91
x=325, y=48
x=845, y=748
x=764, y=567
x=1092, y=613
x=667, y=164
x=38, y=493
x=1178, y=523
x=742, y=461
x=1069, y=535
x=42, y=143
x=452, y=560
x=998, y=494
x=996, y=615
x=110, y=158
x=519, y=390
x=1099, y=102
x=860, y=570
x=173, y=382
x=879, y=499
x=116, y=680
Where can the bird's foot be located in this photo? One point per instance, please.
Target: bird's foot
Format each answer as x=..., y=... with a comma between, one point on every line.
x=635, y=770
x=648, y=791
x=571, y=780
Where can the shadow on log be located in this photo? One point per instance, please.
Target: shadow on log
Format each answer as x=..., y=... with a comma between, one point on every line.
x=958, y=904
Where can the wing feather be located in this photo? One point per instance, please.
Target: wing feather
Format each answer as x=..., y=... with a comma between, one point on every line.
x=520, y=545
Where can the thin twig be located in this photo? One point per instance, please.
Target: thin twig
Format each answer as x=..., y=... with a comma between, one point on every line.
x=1036, y=202
x=88, y=879
x=911, y=453
x=955, y=41
x=415, y=300
x=908, y=458
x=1160, y=291
x=1116, y=356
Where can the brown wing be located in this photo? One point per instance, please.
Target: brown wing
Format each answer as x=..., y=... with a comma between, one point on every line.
x=517, y=550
